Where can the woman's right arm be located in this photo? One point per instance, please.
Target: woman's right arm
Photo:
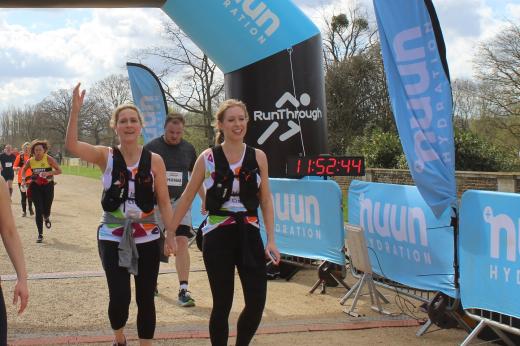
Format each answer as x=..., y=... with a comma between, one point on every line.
x=85, y=151
x=14, y=248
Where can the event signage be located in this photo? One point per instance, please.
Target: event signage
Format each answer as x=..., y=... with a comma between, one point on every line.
x=237, y=33
x=272, y=59
x=489, y=251
x=418, y=81
x=326, y=165
x=308, y=219
x=148, y=96
x=406, y=242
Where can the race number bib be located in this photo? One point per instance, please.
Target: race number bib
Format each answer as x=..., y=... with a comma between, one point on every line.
x=8, y=164
x=174, y=178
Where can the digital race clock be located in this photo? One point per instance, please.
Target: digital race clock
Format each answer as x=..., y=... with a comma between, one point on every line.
x=326, y=166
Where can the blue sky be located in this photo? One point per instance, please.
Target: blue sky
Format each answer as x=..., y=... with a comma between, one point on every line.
x=42, y=50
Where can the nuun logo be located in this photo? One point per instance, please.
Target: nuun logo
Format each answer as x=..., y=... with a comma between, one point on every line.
x=414, y=64
x=382, y=219
x=150, y=107
x=498, y=223
x=254, y=20
x=297, y=215
x=297, y=208
x=287, y=99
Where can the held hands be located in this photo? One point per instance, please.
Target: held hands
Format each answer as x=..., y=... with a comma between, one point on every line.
x=170, y=245
x=21, y=291
x=272, y=253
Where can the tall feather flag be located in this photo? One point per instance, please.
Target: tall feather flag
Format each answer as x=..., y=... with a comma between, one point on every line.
x=148, y=96
x=416, y=69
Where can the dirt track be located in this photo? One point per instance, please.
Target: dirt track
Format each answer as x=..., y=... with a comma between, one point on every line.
x=77, y=305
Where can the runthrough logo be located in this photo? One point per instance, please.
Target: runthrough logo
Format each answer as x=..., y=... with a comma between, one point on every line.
x=282, y=112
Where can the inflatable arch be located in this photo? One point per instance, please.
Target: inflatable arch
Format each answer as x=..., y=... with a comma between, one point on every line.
x=271, y=56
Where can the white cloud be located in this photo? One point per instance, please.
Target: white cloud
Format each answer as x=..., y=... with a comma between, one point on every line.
x=39, y=62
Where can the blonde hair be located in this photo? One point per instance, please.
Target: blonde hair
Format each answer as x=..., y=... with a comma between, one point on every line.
x=119, y=109
x=42, y=142
x=25, y=145
x=219, y=116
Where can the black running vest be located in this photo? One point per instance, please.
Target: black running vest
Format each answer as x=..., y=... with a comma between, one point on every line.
x=220, y=192
x=117, y=193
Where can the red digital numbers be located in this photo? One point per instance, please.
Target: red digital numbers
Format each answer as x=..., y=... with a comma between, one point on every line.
x=331, y=167
x=326, y=166
x=358, y=166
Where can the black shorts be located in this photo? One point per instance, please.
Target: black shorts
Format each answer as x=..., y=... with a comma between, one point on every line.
x=8, y=174
x=184, y=230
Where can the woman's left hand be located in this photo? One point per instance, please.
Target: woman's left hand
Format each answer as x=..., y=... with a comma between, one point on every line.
x=21, y=292
x=272, y=253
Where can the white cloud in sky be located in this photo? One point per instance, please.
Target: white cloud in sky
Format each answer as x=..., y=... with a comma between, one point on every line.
x=34, y=63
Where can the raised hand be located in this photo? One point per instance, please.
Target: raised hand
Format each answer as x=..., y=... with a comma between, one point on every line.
x=77, y=98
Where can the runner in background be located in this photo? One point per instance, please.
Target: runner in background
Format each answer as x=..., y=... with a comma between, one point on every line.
x=21, y=159
x=41, y=187
x=6, y=166
x=179, y=158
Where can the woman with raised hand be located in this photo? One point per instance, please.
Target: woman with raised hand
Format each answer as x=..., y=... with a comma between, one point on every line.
x=236, y=180
x=43, y=168
x=128, y=237
x=13, y=245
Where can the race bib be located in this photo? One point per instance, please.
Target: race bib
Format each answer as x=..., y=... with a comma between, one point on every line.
x=8, y=164
x=174, y=178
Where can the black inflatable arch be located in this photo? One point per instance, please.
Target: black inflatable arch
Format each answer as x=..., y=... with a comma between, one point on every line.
x=271, y=56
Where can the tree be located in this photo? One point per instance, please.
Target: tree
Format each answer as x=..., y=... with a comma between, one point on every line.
x=197, y=86
x=106, y=95
x=357, y=99
x=498, y=70
x=466, y=102
x=346, y=36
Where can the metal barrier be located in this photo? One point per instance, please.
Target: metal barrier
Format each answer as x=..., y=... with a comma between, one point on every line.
x=496, y=321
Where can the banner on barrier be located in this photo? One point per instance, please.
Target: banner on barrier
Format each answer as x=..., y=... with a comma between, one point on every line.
x=406, y=242
x=418, y=81
x=148, y=96
x=308, y=219
x=489, y=251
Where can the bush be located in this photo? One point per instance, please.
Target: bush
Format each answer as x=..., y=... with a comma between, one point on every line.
x=472, y=153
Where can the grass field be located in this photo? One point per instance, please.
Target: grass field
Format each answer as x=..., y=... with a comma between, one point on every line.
x=90, y=172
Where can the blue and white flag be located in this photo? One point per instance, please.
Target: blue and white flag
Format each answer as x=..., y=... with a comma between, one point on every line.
x=419, y=86
x=148, y=96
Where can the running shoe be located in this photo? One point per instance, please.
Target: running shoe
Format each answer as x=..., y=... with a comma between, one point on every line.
x=31, y=212
x=40, y=238
x=24, y=214
x=48, y=223
x=185, y=299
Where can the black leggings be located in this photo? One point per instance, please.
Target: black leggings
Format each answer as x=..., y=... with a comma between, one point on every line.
x=42, y=197
x=3, y=320
x=118, y=280
x=24, y=199
x=223, y=249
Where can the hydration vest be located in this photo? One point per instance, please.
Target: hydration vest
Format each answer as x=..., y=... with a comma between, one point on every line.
x=117, y=193
x=223, y=178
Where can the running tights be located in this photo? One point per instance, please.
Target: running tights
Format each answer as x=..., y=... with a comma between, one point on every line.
x=24, y=200
x=118, y=280
x=223, y=250
x=42, y=197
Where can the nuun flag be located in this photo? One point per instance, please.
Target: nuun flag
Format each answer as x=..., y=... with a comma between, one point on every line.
x=148, y=96
x=419, y=86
